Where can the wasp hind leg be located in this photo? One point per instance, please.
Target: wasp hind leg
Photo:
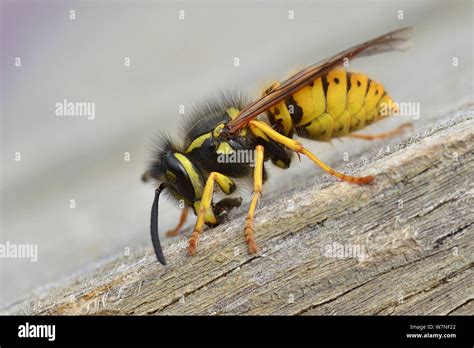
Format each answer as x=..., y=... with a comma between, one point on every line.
x=297, y=147
x=203, y=207
x=397, y=131
x=257, y=190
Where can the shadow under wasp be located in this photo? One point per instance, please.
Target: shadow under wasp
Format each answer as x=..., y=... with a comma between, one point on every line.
x=321, y=102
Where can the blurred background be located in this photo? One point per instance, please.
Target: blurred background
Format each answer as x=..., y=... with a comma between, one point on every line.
x=173, y=62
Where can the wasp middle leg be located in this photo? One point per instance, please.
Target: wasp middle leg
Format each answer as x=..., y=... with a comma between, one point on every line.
x=182, y=220
x=257, y=190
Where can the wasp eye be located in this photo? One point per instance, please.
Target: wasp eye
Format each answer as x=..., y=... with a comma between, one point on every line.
x=183, y=176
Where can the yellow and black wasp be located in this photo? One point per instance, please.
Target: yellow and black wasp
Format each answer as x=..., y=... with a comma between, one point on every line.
x=321, y=102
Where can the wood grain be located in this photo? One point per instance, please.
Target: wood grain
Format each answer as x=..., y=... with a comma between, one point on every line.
x=408, y=243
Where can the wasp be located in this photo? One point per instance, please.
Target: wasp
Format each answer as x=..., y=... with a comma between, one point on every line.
x=321, y=102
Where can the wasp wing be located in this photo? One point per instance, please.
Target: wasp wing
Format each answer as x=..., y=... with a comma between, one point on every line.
x=395, y=40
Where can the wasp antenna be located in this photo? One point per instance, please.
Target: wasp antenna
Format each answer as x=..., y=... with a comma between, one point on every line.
x=155, y=238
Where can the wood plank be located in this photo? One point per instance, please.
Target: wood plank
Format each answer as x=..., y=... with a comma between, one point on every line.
x=403, y=245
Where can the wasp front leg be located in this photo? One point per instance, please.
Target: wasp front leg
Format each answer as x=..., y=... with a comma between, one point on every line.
x=257, y=190
x=203, y=207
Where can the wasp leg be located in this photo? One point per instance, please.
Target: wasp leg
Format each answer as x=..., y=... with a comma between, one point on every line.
x=257, y=190
x=297, y=147
x=182, y=219
x=204, y=206
x=399, y=130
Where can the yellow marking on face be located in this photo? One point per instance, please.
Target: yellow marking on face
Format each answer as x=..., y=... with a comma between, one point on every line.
x=170, y=176
x=233, y=112
x=178, y=197
x=192, y=173
x=224, y=149
x=198, y=142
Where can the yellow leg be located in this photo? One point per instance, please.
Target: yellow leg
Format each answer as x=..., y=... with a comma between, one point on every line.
x=182, y=220
x=227, y=186
x=257, y=190
x=297, y=147
x=399, y=130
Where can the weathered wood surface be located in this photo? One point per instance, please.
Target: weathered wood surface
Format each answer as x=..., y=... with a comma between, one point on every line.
x=412, y=228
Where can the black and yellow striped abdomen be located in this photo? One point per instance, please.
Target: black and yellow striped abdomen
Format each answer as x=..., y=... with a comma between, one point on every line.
x=332, y=106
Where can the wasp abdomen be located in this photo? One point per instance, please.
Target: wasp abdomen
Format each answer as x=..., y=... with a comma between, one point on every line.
x=332, y=106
